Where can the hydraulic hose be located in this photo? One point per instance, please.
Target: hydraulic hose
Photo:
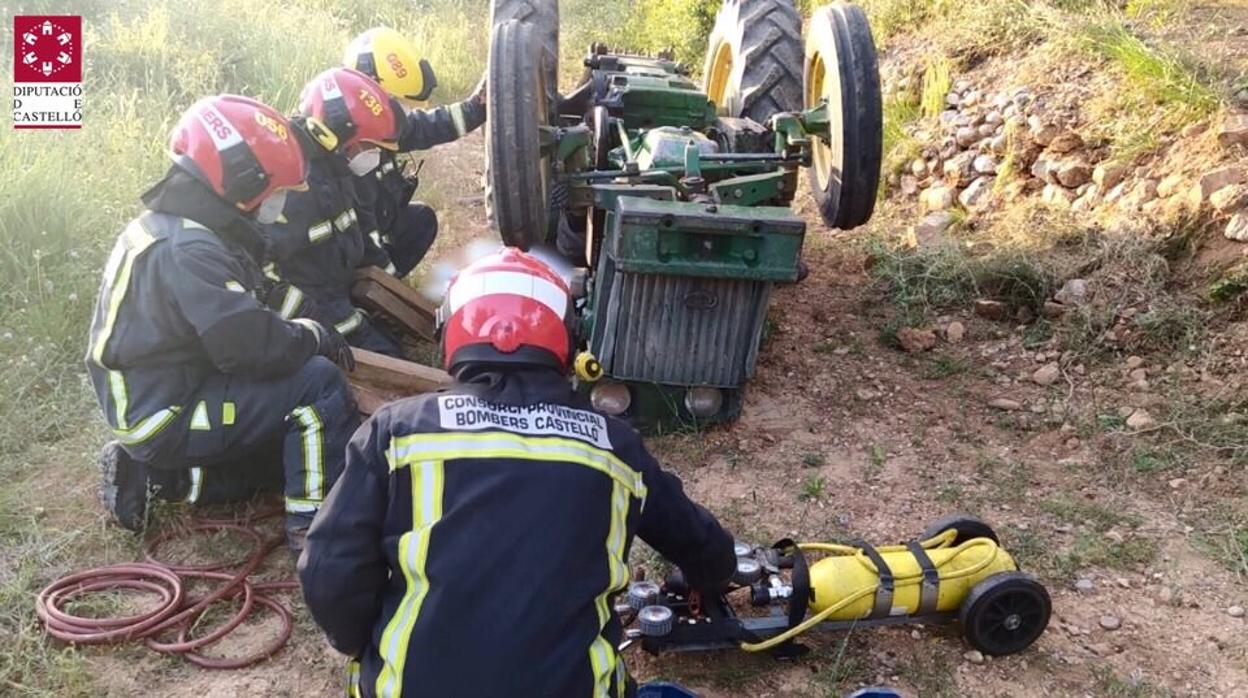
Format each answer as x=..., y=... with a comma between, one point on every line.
x=174, y=613
x=940, y=541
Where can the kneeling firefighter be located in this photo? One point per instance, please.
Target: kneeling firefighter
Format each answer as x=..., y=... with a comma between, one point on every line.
x=485, y=528
x=203, y=386
x=345, y=121
x=404, y=229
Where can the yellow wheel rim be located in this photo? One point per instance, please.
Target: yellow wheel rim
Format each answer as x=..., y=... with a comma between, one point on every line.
x=821, y=151
x=718, y=76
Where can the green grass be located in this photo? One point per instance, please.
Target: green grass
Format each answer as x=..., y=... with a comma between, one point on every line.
x=812, y=488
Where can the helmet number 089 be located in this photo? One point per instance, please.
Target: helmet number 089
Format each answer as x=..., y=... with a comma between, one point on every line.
x=396, y=65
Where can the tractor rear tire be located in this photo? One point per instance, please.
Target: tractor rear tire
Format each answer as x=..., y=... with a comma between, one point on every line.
x=754, y=59
x=543, y=16
x=841, y=66
x=517, y=174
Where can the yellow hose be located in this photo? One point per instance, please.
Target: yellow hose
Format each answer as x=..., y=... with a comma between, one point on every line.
x=941, y=541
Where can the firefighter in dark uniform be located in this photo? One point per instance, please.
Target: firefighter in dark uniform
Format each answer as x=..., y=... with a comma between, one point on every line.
x=203, y=386
x=402, y=228
x=486, y=527
x=345, y=121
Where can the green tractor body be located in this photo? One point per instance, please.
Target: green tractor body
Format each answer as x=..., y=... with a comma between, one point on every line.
x=679, y=215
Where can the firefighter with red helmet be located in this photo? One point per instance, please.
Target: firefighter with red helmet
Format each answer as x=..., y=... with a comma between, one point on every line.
x=404, y=229
x=209, y=394
x=486, y=527
x=345, y=121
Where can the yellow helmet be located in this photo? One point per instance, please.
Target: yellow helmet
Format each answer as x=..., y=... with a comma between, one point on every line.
x=387, y=57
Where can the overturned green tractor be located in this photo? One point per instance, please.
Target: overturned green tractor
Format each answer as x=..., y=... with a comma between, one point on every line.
x=671, y=199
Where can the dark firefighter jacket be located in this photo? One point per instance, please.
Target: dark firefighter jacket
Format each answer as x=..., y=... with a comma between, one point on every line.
x=320, y=242
x=387, y=190
x=483, y=530
x=178, y=302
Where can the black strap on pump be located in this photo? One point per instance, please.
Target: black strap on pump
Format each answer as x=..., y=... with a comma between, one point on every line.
x=884, y=590
x=802, y=593
x=929, y=591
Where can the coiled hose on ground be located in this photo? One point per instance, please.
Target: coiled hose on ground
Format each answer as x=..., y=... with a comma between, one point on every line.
x=175, y=614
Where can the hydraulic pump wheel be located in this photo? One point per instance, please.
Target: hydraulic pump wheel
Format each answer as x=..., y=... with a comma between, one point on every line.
x=968, y=527
x=517, y=171
x=1005, y=613
x=841, y=67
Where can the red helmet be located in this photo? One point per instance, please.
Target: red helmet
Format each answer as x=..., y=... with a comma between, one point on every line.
x=346, y=108
x=508, y=307
x=241, y=148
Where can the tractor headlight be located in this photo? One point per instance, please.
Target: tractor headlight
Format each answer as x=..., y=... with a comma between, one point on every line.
x=704, y=402
x=611, y=398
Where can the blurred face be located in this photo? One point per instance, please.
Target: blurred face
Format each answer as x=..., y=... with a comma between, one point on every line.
x=362, y=158
x=271, y=206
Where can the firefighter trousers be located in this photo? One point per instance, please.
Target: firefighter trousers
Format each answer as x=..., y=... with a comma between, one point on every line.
x=240, y=436
x=409, y=240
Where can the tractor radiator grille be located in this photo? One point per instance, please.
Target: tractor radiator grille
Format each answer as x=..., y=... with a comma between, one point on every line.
x=683, y=330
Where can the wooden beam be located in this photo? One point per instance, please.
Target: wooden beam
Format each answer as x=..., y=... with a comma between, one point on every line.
x=379, y=379
x=382, y=293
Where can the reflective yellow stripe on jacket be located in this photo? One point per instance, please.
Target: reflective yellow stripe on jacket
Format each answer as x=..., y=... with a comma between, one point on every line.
x=427, y=486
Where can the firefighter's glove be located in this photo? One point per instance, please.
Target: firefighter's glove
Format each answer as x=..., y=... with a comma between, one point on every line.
x=331, y=344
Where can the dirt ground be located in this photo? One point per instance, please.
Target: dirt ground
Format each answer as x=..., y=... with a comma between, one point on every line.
x=843, y=436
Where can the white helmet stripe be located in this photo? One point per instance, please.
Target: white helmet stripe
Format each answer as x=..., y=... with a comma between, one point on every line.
x=489, y=283
x=329, y=88
x=219, y=128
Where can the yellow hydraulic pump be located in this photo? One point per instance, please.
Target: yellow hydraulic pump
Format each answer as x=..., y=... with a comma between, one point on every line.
x=850, y=574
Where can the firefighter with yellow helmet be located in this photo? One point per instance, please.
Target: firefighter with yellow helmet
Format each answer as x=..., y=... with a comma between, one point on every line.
x=403, y=230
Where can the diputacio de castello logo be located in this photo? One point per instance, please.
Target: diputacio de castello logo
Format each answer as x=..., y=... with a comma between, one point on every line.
x=47, y=71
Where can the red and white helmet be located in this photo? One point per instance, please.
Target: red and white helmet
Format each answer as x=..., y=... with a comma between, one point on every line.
x=508, y=307
x=346, y=109
x=243, y=149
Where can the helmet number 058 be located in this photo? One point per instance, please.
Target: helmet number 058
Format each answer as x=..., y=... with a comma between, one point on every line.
x=273, y=125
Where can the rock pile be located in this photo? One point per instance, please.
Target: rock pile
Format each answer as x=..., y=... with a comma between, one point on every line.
x=1032, y=144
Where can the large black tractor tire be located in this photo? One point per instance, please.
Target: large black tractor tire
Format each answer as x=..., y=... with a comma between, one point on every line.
x=841, y=66
x=543, y=16
x=517, y=174
x=754, y=59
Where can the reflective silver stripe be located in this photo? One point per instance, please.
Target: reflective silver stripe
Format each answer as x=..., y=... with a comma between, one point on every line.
x=320, y=231
x=290, y=304
x=350, y=324
x=197, y=483
x=235, y=287
x=602, y=657
x=148, y=427
x=391, y=269
x=301, y=506
x=345, y=219
x=457, y=117
x=313, y=473
x=270, y=270
x=405, y=450
x=376, y=236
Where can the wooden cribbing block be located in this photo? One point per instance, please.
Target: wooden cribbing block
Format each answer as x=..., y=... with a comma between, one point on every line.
x=378, y=379
x=380, y=292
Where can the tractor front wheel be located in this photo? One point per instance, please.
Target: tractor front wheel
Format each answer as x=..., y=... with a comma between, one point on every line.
x=517, y=171
x=841, y=68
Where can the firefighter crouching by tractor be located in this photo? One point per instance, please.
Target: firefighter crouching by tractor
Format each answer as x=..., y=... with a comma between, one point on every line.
x=206, y=390
x=344, y=122
x=484, y=528
x=405, y=229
